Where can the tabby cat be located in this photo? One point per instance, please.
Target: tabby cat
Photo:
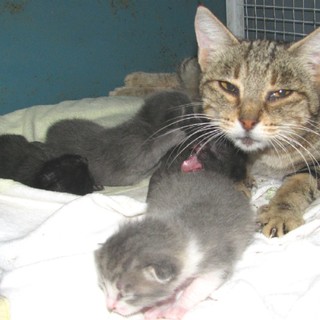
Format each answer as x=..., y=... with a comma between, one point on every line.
x=263, y=96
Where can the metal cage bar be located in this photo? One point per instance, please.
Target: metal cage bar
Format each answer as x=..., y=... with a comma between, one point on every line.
x=285, y=20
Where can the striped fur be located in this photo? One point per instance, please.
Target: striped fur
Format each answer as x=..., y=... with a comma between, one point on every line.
x=264, y=96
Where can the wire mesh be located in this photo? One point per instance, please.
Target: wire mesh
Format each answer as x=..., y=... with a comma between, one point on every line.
x=285, y=20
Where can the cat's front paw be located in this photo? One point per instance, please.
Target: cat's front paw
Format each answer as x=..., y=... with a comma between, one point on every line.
x=285, y=210
x=275, y=223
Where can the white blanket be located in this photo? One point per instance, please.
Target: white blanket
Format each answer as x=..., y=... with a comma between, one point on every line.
x=47, y=241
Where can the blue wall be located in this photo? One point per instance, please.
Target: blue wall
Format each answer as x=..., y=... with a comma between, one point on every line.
x=57, y=50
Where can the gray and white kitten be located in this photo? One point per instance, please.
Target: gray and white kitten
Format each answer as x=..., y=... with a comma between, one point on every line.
x=195, y=229
x=129, y=152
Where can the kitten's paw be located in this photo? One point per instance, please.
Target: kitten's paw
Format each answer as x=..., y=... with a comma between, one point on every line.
x=245, y=186
x=250, y=182
x=167, y=311
x=155, y=313
x=275, y=223
x=174, y=313
x=242, y=187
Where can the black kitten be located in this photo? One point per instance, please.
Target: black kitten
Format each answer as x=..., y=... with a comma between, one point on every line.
x=67, y=173
x=218, y=156
x=36, y=165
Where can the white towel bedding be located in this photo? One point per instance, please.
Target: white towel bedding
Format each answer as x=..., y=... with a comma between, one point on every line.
x=47, y=239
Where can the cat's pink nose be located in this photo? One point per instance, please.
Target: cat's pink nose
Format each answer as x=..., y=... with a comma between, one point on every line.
x=248, y=124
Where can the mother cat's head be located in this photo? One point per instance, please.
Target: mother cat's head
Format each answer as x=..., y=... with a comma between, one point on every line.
x=262, y=95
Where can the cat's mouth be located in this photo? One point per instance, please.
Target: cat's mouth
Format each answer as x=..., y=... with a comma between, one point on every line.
x=249, y=144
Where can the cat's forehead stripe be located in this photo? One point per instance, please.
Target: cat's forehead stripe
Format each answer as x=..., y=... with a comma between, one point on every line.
x=237, y=71
x=274, y=78
x=263, y=51
x=263, y=47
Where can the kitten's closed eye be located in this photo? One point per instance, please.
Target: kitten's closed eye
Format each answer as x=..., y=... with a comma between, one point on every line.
x=161, y=273
x=125, y=292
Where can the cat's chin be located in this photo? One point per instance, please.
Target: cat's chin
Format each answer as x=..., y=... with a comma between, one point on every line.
x=249, y=145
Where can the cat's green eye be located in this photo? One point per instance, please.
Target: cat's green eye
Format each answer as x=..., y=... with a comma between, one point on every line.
x=229, y=87
x=280, y=94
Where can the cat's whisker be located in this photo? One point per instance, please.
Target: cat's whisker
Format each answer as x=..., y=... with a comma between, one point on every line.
x=218, y=135
x=300, y=146
x=291, y=134
x=165, y=129
x=175, y=121
x=313, y=159
x=275, y=142
x=306, y=141
x=301, y=128
x=206, y=130
x=207, y=138
x=314, y=123
x=185, y=105
x=185, y=146
x=158, y=135
x=296, y=146
x=193, y=128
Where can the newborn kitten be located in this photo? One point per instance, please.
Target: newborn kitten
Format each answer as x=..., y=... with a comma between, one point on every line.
x=195, y=229
x=67, y=173
x=189, y=75
x=129, y=152
x=35, y=165
x=218, y=156
x=19, y=159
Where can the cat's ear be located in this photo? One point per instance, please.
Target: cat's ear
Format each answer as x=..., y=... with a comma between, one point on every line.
x=212, y=35
x=308, y=50
x=161, y=272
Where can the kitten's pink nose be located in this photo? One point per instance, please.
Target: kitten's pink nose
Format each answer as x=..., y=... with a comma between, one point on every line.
x=248, y=124
x=111, y=304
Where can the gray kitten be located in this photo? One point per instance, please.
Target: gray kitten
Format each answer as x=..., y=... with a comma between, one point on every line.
x=189, y=75
x=196, y=227
x=129, y=152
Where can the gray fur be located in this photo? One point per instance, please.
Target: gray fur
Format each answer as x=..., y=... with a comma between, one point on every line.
x=201, y=208
x=189, y=74
x=129, y=152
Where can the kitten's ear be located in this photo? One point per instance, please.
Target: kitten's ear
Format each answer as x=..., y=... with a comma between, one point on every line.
x=308, y=49
x=212, y=35
x=161, y=272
